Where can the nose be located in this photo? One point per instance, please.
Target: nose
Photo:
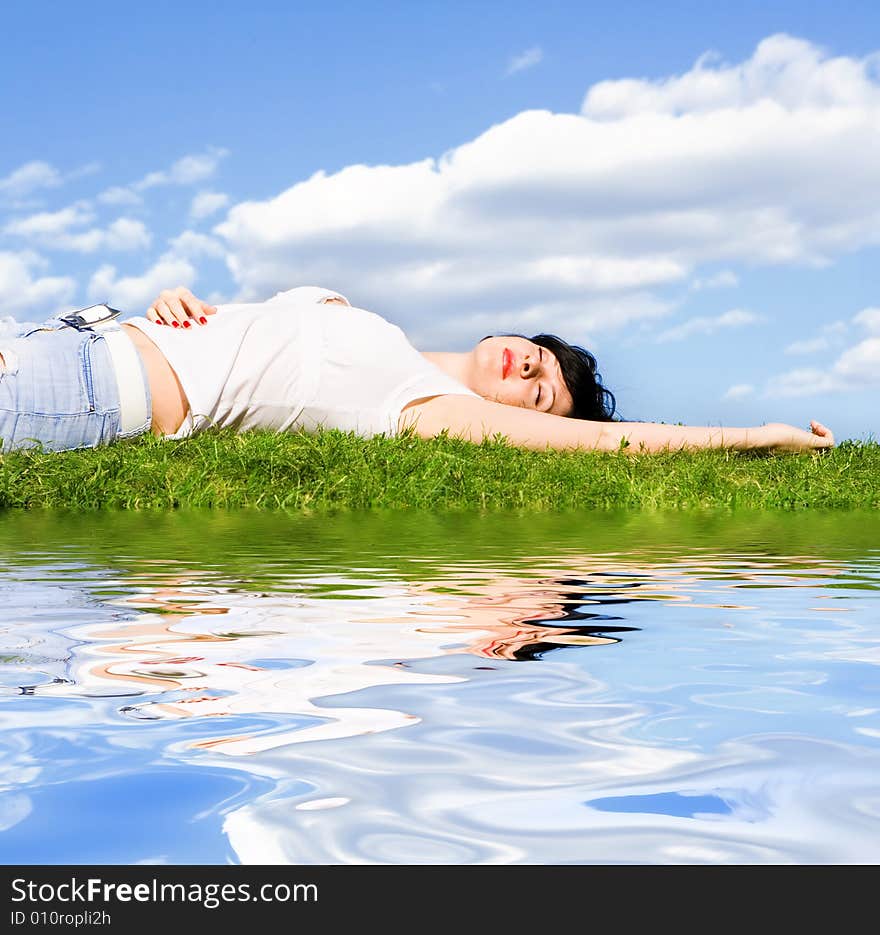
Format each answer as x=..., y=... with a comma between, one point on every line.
x=529, y=367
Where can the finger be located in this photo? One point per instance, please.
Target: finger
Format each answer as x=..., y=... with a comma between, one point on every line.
x=196, y=308
x=153, y=315
x=179, y=312
x=824, y=433
x=165, y=313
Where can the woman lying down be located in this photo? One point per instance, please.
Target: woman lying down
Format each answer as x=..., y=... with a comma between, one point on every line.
x=306, y=360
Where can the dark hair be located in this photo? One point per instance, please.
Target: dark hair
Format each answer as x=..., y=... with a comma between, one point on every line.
x=591, y=400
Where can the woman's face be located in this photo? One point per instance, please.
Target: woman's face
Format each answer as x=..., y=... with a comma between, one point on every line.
x=517, y=372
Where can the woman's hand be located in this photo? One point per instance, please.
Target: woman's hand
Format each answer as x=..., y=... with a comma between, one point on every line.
x=180, y=309
x=781, y=437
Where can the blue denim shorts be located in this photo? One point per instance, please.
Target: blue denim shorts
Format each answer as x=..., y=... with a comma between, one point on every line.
x=58, y=390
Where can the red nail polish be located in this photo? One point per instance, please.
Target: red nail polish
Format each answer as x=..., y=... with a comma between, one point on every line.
x=176, y=325
x=203, y=320
x=186, y=324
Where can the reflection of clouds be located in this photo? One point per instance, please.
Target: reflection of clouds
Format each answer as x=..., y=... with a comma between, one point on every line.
x=724, y=688
x=13, y=809
x=788, y=800
x=213, y=652
x=325, y=647
x=198, y=652
x=31, y=650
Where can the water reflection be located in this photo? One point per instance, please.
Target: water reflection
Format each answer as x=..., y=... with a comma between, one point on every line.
x=564, y=705
x=202, y=652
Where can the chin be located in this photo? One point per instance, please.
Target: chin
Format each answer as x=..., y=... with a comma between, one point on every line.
x=487, y=357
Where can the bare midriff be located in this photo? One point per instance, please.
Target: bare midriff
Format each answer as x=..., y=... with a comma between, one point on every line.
x=170, y=404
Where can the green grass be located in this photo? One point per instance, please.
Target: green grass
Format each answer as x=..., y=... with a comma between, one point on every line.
x=333, y=471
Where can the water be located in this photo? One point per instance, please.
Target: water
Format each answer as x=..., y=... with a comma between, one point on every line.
x=255, y=688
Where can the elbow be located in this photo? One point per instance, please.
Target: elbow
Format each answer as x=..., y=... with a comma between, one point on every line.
x=609, y=439
x=613, y=437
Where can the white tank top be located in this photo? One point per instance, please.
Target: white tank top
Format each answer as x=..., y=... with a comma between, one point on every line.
x=295, y=362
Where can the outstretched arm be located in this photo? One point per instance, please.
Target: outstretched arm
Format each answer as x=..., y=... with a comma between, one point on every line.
x=476, y=419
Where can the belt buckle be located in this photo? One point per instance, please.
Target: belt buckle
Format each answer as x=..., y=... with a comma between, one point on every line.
x=86, y=318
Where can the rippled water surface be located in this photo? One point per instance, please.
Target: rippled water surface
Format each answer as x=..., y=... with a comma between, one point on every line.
x=211, y=688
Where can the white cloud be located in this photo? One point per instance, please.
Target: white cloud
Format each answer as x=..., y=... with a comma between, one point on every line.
x=802, y=382
x=832, y=333
x=189, y=170
x=722, y=280
x=133, y=294
x=860, y=365
x=193, y=245
x=525, y=60
x=90, y=168
x=119, y=195
x=126, y=234
x=603, y=273
x=394, y=238
x=21, y=291
x=856, y=368
x=49, y=224
x=739, y=391
x=808, y=346
x=869, y=318
x=207, y=203
x=790, y=71
x=758, y=135
x=36, y=175
x=186, y=171
x=735, y=318
x=582, y=319
x=771, y=161
x=61, y=230
x=28, y=178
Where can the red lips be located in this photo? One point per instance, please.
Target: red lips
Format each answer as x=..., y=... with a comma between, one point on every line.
x=506, y=362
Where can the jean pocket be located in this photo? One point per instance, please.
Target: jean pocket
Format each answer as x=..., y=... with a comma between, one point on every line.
x=59, y=432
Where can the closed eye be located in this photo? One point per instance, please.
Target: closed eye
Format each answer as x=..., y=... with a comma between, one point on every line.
x=541, y=362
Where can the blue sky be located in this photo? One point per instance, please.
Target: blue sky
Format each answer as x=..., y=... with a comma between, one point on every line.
x=692, y=193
